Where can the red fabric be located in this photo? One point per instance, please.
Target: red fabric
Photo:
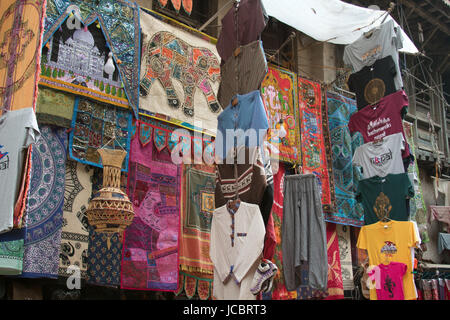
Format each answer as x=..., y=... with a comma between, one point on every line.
x=270, y=240
x=335, y=285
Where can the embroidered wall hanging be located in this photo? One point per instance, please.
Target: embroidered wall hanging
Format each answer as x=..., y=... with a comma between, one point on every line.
x=150, y=254
x=279, y=94
x=75, y=233
x=54, y=107
x=180, y=74
x=198, y=185
x=315, y=139
x=94, y=125
x=21, y=27
x=335, y=286
x=418, y=211
x=347, y=211
x=45, y=204
x=79, y=37
x=187, y=5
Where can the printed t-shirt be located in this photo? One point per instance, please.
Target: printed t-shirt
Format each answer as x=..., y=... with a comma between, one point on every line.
x=18, y=129
x=381, y=157
x=390, y=244
x=381, y=194
x=391, y=280
x=384, y=41
x=372, y=83
x=381, y=119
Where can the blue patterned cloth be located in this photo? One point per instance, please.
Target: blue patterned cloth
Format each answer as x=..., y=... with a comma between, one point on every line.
x=347, y=210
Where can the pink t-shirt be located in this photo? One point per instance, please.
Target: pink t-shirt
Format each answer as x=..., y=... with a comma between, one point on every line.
x=381, y=119
x=390, y=277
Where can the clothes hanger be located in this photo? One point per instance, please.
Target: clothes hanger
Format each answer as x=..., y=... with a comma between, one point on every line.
x=369, y=33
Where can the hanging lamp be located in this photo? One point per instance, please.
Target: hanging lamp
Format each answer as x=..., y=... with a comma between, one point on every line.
x=110, y=211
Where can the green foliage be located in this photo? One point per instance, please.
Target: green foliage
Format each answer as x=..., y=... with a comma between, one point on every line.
x=113, y=91
x=102, y=86
x=108, y=89
x=48, y=72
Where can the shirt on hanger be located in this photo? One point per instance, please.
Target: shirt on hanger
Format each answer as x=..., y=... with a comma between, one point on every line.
x=384, y=118
x=391, y=280
x=244, y=124
x=382, y=41
x=392, y=243
x=382, y=157
x=250, y=18
x=235, y=248
x=382, y=196
x=374, y=82
x=18, y=129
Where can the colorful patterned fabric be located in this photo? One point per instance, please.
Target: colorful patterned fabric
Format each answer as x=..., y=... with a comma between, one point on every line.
x=45, y=204
x=171, y=53
x=21, y=24
x=150, y=254
x=75, y=53
x=315, y=139
x=75, y=233
x=11, y=252
x=187, y=5
x=54, y=107
x=418, y=211
x=279, y=94
x=335, y=287
x=345, y=254
x=192, y=285
x=94, y=125
x=347, y=211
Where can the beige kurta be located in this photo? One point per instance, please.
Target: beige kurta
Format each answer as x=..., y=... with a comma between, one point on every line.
x=244, y=255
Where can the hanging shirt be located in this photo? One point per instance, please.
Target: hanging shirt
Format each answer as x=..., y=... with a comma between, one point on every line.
x=244, y=124
x=18, y=129
x=384, y=118
x=390, y=244
x=250, y=19
x=385, y=195
x=382, y=157
x=391, y=281
x=235, y=250
x=373, y=82
x=385, y=40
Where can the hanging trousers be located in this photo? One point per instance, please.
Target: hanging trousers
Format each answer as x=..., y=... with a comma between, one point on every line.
x=303, y=234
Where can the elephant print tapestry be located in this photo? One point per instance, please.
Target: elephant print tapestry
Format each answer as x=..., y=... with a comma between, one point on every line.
x=278, y=92
x=180, y=74
x=315, y=139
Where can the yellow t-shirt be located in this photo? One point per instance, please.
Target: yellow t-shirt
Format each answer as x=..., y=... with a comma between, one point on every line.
x=390, y=244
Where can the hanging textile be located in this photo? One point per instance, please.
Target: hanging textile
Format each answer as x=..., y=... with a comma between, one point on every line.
x=193, y=284
x=198, y=185
x=54, y=107
x=347, y=211
x=418, y=211
x=187, y=5
x=180, y=74
x=94, y=125
x=76, y=56
x=335, y=286
x=21, y=23
x=315, y=139
x=150, y=254
x=45, y=204
x=11, y=252
x=75, y=233
x=279, y=94
x=345, y=253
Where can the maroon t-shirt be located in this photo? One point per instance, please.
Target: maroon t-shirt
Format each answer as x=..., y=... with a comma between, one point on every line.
x=382, y=119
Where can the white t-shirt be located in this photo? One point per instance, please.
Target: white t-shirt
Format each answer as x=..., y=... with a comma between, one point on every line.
x=380, y=158
x=18, y=129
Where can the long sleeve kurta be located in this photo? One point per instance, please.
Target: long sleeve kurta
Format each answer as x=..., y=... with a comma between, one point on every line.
x=235, y=250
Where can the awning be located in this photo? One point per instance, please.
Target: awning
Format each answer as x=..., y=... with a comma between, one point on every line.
x=332, y=21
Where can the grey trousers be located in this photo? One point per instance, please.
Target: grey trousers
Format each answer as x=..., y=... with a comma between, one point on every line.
x=303, y=234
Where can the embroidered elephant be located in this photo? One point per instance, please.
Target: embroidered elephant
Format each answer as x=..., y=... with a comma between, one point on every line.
x=168, y=57
x=67, y=250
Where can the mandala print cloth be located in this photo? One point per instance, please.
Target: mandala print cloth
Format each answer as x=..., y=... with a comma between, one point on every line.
x=347, y=210
x=315, y=139
x=279, y=94
x=75, y=54
x=21, y=24
x=75, y=233
x=418, y=211
x=96, y=125
x=180, y=74
x=150, y=253
x=54, y=107
x=45, y=204
x=196, y=268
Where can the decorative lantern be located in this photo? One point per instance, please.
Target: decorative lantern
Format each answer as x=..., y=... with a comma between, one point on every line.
x=110, y=211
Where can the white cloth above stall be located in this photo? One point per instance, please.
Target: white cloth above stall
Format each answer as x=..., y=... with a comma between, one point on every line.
x=332, y=21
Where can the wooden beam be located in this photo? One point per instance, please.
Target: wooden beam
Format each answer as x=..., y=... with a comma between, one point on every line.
x=439, y=6
x=429, y=37
x=421, y=12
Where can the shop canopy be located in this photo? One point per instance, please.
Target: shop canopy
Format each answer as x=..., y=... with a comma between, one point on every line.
x=331, y=21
